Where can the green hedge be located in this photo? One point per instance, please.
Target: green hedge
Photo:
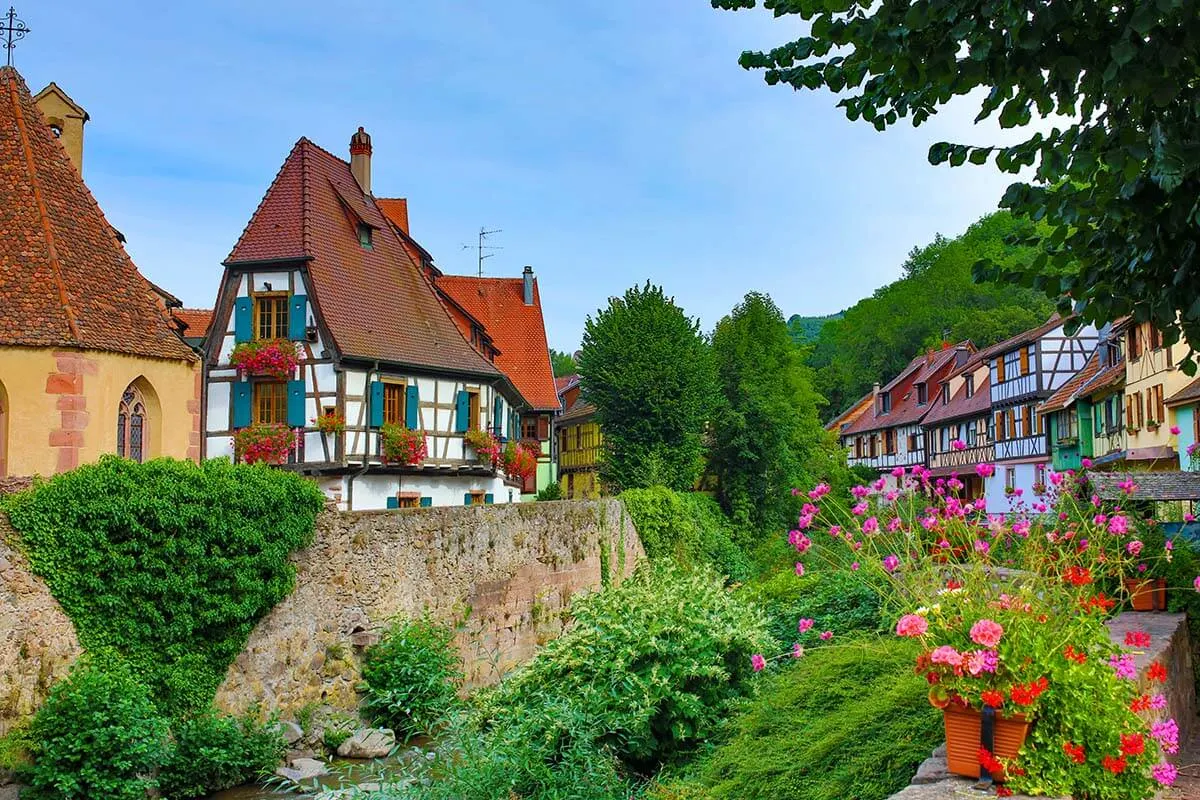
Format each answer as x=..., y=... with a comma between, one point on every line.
x=168, y=563
x=411, y=677
x=836, y=600
x=844, y=723
x=687, y=526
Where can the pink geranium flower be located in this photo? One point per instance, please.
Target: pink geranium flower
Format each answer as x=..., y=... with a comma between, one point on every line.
x=758, y=662
x=1174, y=430
x=986, y=632
x=985, y=470
x=912, y=625
x=826, y=636
x=946, y=655
x=805, y=625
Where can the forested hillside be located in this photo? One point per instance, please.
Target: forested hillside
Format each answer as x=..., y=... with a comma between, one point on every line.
x=806, y=329
x=935, y=299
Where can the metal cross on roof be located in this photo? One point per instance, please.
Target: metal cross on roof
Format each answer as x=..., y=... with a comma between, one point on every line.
x=14, y=31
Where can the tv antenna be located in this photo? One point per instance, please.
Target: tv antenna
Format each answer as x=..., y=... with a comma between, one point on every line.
x=483, y=245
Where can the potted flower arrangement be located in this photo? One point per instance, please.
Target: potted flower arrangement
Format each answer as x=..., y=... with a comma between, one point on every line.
x=486, y=446
x=401, y=445
x=1144, y=579
x=276, y=358
x=334, y=423
x=266, y=443
x=1011, y=635
x=518, y=462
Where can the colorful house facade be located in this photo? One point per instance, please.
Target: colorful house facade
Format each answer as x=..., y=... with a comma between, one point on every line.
x=322, y=272
x=1085, y=417
x=580, y=444
x=90, y=361
x=1185, y=408
x=1024, y=371
x=958, y=430
x=1151, y=378
x=888, y=433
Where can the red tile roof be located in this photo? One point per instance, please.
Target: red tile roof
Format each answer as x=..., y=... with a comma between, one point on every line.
x=562, y=382
x=1025, y=337
x=960, y=406
x=1066, y=393
x=375, y=302
x=518, y=330
x=930, y=369
x=65, y=279
x=196, y=319
x=578, y=412
x=395, y=209
x=1186, y=394
x=847, y=417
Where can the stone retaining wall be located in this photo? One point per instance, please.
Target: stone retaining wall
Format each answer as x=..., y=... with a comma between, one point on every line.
x=503, y=573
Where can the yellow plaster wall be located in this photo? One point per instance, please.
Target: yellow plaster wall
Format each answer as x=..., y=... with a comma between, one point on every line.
x=58, y=112
x=36, y=381
x=1155, y=367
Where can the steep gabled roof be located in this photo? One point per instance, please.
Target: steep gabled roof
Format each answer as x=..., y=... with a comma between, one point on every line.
x=1026, y=337
x=197, y=320
x=960, y=406
x=928, y=368
x=374, y=301
x=1186, y=394
x=65, y=279
x=517, y=329
x=1068, y=392
x=847, y=417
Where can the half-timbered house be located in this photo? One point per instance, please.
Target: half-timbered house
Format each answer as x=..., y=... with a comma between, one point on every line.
x=322, y=267
x=1024, y=371
x=1152, y=377
x=957, y=430
x=1084, y=418
x=888, y=434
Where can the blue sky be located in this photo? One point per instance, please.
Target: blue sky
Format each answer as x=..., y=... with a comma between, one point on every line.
x=611, y=141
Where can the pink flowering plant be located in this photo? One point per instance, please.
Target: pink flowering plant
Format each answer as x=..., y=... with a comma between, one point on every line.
x=485, y=445
x=276, y=358
x=268, y=444
x=402, y=446
x=1009, y=613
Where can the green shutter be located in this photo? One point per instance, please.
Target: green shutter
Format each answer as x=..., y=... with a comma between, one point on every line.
x=412, y=406
x=426, y=502
x=241, y=404
x=462, y=413
x=295, y=404
x=243, y=319
x=393, y=502
x=497, y=416
x=297, y=317
x=467, y=499
x=376, y=419
x=489, y=499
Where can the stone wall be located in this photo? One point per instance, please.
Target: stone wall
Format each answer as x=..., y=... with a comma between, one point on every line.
x=37, y=641
x=504, y=573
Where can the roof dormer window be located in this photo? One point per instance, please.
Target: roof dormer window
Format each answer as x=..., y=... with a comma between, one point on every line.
x=969, y=382
x=364, y=235
x=885, y=402
x=922, y=394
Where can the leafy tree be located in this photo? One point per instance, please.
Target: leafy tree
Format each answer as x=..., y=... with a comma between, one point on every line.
x=805, y=330
x=935, y=300
x=648, y=370
x=1116, y=178
x=766, y=424
x=562, y=363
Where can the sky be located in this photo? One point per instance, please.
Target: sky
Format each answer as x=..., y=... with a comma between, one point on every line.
x=611, y=142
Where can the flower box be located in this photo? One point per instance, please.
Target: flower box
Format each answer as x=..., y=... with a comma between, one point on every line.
x=268, y=444
x=402, y=446
x=1147, y=594
x=330, y=423
x=276, y=358
x=1068, y=441
x=964, y=738
x=486, y=446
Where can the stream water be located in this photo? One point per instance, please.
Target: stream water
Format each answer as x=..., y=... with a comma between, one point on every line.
x=344, y=773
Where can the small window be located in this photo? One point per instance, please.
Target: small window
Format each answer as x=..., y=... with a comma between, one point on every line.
x=1010, y=478
x=270, y=402
x=478, y=497
x=393, y=403
x=271, y=316
x=969, y=381
x=885, y=402
x=408, y=500
x=529, y=427
x=328, y=411
x=922, y=394
x=364, y=235
x=55, y=130
x=473, y=408
x=131, y=425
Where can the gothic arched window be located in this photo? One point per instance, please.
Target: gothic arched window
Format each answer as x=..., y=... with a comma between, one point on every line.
x=131, y=425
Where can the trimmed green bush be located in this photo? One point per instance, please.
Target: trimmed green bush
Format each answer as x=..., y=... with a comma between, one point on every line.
x=212, y=752
x=687, y=526
x=98, y=735
x=168, y=563
x=834, y=599
x=411, y=678
x=843, y=723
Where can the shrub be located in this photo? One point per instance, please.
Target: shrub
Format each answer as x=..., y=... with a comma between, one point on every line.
x=843, y=722
x=553, y=491
x=651, y=664
x=834, y=600
x=686, y=526
x=212, y=752
x=410, y=679
x=98, y=735
x=168, y=563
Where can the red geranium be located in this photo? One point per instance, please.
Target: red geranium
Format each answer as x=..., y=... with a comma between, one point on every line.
x=1074, y=752
x=992, y=698
x=1137, y=639
x=1140, y=704
x=1157, y=672
x=1114, y=765
x=1077, y=576
x=1132, y=744
x=1074, y=655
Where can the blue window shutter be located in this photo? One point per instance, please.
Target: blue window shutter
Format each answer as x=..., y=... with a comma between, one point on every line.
x=241, y=404
x=243, y=319
x=462, y=412
x=497, y=416
x=393, y=502
x=426, y=502
x=467, y=499
x=297, y=317
x=412, y=405
x=376, y=420
x=295, y=404
x=489, y=499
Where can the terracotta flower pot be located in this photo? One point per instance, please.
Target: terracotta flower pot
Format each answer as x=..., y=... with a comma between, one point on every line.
x=1147, y=594
x=963, y=733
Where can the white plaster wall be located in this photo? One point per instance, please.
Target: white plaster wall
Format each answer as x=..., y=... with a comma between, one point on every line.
x=371, y=492
x=216, y=415
x=997, y=501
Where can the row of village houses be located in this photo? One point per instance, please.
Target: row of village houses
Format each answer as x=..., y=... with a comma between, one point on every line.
x=1042, y=400
x=331, y=324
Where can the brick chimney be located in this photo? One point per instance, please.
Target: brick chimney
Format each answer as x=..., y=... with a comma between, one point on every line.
x=360, y=159
x=528, y=276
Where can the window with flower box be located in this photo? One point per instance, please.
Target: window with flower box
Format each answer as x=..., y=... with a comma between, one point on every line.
x=271, y=316
x=270, y=402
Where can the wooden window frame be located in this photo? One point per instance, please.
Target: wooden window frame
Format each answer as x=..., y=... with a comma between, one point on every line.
x=1024, y=361
x=922, y=394
x=1010, y=478
x=1001, y=376
x=257, y=388
x=969, y=382
x=280, y=323
x=474, y=410
x=1134, y=345
x=391, y=387
x=478, y=497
